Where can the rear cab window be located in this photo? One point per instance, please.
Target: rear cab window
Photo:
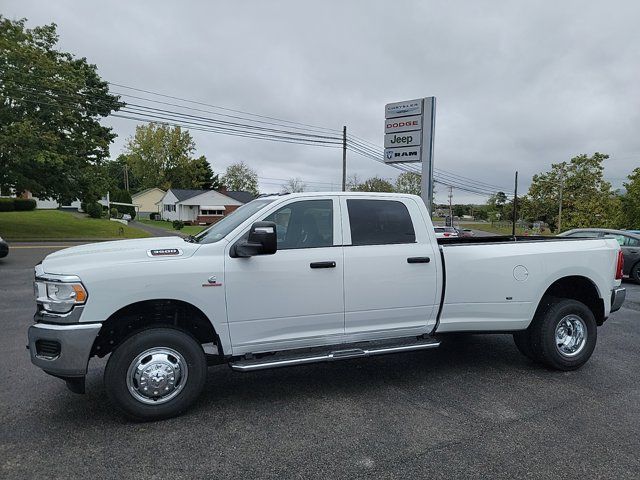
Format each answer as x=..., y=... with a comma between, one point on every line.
x=379, y=222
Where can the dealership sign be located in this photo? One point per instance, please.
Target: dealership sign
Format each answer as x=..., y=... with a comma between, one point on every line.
x=403, y=109
x=408, y=137
x=408, y=154
x=403, y=124
x=408, y=130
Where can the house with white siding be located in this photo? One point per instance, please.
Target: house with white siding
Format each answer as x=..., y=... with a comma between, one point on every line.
x=200, y=206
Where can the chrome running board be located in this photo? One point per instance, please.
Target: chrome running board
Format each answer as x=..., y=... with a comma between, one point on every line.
x=289, y=359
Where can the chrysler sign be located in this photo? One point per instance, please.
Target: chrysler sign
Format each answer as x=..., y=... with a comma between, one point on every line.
x=403, y=109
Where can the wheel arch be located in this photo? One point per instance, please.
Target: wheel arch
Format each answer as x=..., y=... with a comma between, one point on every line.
x=162, y=312
x=576, y=287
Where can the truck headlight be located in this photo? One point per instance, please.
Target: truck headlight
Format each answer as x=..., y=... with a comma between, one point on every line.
x=60, y=297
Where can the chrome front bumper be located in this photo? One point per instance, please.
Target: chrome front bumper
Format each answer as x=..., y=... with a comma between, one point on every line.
x=62, y=350
x=617, y=298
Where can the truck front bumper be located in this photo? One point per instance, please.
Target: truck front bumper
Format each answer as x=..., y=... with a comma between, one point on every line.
x=62, y=350
x=617, y=298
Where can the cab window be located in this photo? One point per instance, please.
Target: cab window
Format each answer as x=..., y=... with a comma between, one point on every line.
x=304, y=224
x=379, y=222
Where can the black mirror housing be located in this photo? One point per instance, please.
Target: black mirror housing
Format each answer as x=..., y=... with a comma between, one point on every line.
x=262, y=240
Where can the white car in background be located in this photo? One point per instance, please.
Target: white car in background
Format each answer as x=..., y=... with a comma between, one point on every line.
x=445, y=232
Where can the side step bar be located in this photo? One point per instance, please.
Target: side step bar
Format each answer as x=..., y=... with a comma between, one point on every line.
x=334, y=355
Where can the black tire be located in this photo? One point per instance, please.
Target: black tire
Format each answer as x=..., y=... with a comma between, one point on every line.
x=543, y=334
x=634, y=274
x=115, y=375
x=522, y=340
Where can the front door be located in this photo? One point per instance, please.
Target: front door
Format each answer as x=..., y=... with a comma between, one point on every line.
x=390, y=269
x=293, y=298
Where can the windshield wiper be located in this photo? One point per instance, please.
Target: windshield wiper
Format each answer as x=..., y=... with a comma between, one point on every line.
x=190, y=239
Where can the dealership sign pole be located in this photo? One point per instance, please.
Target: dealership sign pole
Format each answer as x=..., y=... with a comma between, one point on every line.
x=408, y=137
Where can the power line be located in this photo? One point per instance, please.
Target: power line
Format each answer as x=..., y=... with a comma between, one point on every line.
x=253, y=117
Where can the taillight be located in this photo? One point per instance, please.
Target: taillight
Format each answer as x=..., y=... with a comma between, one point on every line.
x=620, y=265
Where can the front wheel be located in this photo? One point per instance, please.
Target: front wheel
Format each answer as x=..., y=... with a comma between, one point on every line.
x=156, y=373
x=564, y=335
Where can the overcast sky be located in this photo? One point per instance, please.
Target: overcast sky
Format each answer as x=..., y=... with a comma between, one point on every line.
x=519, y=85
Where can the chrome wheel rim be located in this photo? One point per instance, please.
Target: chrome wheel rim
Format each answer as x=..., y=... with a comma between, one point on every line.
x=157, y=375
x=571, y=335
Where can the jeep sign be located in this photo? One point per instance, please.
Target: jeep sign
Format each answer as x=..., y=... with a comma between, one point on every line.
x=404, y=139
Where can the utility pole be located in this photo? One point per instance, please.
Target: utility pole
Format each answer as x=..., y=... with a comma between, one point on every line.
x=560, y=206
x=515, y=206
x=450, y=205
x=344, y=158
x=126, y=177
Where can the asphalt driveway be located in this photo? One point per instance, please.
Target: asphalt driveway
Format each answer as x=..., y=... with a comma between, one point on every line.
x=474, y=408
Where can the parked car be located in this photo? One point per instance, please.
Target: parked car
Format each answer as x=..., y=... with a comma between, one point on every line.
x=464, y=232
x=355, y=275
x=445, y=232
x=4, y=248
x=629, y=243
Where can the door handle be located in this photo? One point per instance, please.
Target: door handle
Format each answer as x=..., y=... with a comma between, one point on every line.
x=418, y=260
x=322, y=264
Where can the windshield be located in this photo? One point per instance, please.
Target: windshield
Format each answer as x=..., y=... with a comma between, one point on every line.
x=225, y=226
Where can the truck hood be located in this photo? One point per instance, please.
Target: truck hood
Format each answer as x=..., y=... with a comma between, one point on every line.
x=72, y=260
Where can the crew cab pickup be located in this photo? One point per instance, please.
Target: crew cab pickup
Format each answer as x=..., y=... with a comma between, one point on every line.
x=294, y=279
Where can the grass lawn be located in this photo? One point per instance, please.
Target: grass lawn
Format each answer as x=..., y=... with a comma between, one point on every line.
x=187, y=230
x=498, y=229
x=59, y=225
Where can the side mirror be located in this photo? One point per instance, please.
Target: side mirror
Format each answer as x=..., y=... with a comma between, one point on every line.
x=262, y=240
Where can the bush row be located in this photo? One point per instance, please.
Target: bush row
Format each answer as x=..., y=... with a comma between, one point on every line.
x=17, y=204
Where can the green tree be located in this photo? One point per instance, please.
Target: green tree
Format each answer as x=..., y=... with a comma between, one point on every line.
x=630, y=202
x=374, y=184
x=587, y=199
x=240, y=176
x=51, y=140
x=496, y=204
x=162, y=156
x=409, y=182
x=122, y=196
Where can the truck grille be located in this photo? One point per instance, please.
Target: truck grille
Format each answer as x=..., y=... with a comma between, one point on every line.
x=47, y=348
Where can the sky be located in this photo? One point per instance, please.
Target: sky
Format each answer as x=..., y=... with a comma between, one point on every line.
x=519, y=85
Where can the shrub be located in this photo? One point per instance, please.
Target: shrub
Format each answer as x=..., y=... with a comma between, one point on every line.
x=178, y=224
x=114, y=212
x=24, y=204
x=154, y=216
x=94, y=209
x=7, y=205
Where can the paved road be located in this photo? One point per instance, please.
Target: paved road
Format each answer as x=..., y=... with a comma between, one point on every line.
x=473, y=408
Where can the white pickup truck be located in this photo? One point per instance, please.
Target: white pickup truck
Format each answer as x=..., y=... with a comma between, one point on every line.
x=294, y=279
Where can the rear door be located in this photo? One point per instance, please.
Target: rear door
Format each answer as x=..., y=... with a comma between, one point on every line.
x=390, y=268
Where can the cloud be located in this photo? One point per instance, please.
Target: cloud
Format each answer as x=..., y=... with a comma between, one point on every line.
x=519, y=85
